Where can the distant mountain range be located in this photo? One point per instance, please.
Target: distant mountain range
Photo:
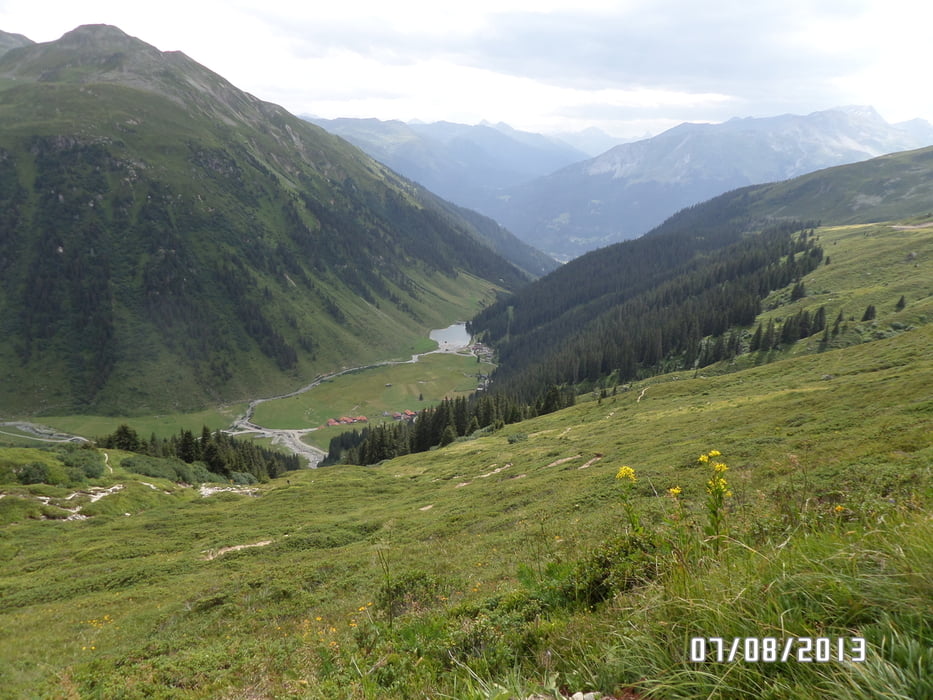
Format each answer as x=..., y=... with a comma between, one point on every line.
x=564, y=203
x=465, y=164
x=168, y=241
x=633, y=187
x=12, y=41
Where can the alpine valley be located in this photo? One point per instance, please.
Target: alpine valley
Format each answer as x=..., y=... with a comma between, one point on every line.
x=168, y=240
x=697, y=464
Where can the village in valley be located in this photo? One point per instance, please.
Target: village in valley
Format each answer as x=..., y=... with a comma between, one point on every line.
x=407, y=414
x=482, y=352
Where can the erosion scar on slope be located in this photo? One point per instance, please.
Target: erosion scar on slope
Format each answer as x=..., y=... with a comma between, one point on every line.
x=213, y=554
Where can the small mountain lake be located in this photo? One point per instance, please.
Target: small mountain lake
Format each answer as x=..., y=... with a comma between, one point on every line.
x=455, y=335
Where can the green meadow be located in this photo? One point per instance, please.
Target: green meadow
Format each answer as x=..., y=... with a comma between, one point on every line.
x=526, y=561
x=162, y=425
x=371, y=392
x=483, y=550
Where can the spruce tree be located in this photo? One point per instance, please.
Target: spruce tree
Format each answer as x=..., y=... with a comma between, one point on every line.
x=755, y=343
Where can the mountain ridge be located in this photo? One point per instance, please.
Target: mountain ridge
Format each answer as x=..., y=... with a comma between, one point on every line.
x=633, y=187
x=163, y=229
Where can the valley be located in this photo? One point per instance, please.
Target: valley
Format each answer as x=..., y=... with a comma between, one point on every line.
x=719, y=430
x=501, y=538
x=385, y=387
x=349, y=396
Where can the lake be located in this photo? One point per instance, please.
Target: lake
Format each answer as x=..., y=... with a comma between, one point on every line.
x=455, y=336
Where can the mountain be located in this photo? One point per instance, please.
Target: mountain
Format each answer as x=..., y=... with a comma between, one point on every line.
x=12, y=41
x=592, y=141
x=644, y=306
x=459, y=162
x=167, y=240
x=633, y=187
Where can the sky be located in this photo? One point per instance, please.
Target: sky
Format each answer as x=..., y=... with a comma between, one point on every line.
x=632, y=68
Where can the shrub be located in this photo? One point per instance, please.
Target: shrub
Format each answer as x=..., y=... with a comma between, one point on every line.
x=34, y=473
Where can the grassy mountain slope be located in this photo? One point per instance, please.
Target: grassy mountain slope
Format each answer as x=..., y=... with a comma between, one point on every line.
x=170, y=241
x=515, y=562
x=576, y=323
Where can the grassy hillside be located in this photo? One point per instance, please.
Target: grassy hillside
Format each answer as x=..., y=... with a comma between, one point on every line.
x=168, y=242
x=518, y=562
x=671, y=297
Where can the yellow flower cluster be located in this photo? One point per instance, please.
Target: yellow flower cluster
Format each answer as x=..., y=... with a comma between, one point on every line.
x=626, y=473
x=675, y=491
x=717, y=485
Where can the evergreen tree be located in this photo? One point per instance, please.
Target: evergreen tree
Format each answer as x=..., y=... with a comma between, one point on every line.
x=187, y=448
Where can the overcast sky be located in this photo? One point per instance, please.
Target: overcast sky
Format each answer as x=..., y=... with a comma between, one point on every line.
x=629, y=67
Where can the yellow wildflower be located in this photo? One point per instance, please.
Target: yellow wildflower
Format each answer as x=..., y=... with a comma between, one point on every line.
x=720, y=467
x=674, y=491
x=715, y=453
x=626, y=473
x=703, y=459
x=839, y=509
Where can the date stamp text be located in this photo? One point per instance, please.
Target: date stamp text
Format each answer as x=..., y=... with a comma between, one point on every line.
x=772, y=649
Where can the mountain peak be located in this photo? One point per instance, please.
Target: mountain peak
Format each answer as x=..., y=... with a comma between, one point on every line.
x=866, y=112
x=12, y=41
x=94, y=32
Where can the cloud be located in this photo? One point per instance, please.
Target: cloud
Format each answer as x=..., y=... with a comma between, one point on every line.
x=541, y=63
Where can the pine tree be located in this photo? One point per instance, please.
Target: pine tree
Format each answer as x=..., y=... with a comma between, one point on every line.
x=769, y=339
x=755, y=343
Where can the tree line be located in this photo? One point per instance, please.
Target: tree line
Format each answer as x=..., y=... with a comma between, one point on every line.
x=219, y=452
x=682, y=318
x=440, y=425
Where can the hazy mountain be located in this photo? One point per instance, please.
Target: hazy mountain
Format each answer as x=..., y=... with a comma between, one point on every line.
x=11, y=41
x=633, y=187
x=459, y=162
x=591, y=141
x=167, y=240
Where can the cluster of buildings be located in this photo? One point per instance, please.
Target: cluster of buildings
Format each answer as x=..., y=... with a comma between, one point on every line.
x=346, y=420
x=407, y=414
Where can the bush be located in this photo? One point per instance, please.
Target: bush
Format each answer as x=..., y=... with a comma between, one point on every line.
x=172, y=470
x=34, y=473
x=86, y=462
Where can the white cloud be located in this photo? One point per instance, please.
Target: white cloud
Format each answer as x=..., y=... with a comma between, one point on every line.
x=621, y=65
